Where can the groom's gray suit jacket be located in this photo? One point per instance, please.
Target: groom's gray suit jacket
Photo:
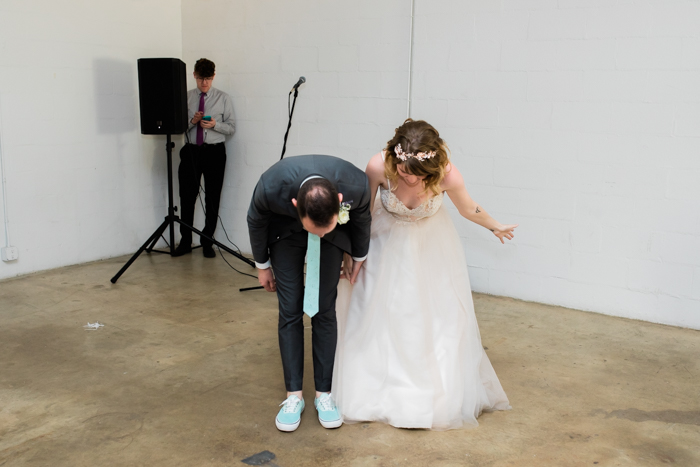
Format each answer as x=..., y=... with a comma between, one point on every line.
x=272, y=216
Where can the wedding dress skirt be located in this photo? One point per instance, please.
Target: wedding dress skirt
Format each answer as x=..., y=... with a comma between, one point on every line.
x=409, y=351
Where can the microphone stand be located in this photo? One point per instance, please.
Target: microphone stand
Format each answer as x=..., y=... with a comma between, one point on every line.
x=291, y=112
x=284, y=149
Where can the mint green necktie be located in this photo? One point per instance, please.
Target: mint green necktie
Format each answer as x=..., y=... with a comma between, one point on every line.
x=313, y=273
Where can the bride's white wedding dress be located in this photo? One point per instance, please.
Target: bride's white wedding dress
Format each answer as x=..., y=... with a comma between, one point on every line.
x=409, y=351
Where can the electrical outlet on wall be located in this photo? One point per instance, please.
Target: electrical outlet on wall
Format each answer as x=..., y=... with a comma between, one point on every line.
x=9, y=253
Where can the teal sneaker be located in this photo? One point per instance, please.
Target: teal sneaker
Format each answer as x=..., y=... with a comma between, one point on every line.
x=289, y=416
x=328, y=413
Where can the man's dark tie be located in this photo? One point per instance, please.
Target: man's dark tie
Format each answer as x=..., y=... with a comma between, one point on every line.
x=200, y=130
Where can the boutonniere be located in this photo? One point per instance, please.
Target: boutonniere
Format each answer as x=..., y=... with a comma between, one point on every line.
x=344, y=213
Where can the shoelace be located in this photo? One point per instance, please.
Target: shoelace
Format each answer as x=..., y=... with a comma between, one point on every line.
x=290, y=404
x=326, y=403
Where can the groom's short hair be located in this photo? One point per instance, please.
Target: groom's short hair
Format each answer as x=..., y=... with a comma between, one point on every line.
x=318, y=200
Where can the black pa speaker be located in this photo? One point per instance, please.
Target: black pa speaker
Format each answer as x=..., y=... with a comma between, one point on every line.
x=162, y=96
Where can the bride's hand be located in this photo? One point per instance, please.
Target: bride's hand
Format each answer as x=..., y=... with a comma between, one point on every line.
x=355, y=270
x=346, y=271
x=505, y=231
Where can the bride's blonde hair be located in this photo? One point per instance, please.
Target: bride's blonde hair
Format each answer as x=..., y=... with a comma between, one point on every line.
x=423, y=153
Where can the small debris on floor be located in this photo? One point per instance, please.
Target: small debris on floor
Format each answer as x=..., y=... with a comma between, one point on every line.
x=260, y=458
x=93, y=326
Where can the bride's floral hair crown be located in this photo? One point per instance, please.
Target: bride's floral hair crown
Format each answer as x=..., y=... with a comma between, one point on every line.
x=404, y=156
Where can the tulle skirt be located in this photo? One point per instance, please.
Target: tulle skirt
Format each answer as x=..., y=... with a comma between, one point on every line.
x=409, y=350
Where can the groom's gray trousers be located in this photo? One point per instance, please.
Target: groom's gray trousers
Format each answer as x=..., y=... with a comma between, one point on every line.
x=287, y=257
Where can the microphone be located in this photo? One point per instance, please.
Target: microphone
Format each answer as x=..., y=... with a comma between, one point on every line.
x=301, y=81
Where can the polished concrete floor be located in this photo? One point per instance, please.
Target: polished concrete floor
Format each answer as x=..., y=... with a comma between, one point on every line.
x=186, y=372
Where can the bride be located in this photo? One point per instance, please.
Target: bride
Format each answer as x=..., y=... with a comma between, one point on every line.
x=409, y=351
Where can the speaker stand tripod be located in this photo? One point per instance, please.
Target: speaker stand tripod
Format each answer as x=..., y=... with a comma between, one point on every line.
x=170, y=220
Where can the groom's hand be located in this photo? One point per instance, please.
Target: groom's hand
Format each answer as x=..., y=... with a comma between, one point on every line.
x=267, y=280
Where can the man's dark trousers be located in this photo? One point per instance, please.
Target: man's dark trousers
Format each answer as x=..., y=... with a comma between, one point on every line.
x=208, y=160
x=287, y=257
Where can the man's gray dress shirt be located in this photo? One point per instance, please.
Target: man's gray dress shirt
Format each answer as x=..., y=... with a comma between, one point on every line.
x=217, y=104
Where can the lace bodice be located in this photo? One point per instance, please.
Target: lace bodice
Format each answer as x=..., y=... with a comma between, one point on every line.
x=396, y=208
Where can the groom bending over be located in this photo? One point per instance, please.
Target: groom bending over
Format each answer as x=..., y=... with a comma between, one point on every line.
x=314, y=207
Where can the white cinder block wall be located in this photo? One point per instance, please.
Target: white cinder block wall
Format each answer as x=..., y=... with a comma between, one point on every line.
x=82, y=182
x=355, y=63
x=579, y=120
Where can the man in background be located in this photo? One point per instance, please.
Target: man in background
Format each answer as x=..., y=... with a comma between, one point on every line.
x=211, y=120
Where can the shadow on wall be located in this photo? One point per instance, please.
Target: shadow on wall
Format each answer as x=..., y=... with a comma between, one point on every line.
x=138, y=197
x=115, y=117
x=116, y=98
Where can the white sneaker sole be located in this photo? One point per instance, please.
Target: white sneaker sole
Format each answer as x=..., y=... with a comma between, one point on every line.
x=286, y=426
x=331, y=424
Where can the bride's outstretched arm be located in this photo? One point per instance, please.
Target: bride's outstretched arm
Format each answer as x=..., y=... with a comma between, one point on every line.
x=453, y=184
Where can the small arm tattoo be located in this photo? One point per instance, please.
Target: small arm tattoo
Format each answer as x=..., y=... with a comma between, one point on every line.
x=478, y=210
